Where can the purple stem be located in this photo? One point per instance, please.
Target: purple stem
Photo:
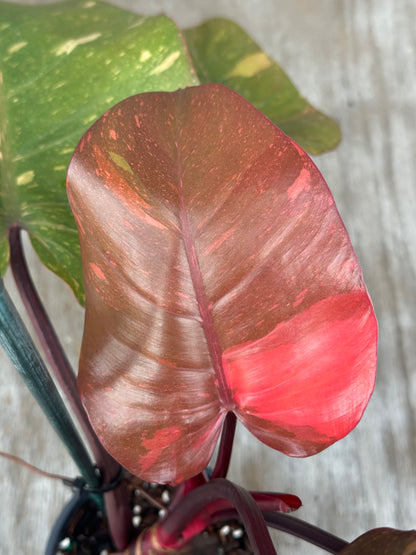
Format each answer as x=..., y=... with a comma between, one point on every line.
x=172, y=525
x=226, y=445
x=305, y=531
x=116, y=501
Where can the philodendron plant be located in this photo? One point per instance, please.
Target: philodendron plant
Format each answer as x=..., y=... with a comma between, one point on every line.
x=218, y=278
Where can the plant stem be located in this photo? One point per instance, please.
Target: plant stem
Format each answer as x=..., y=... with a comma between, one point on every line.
x=226, y=445
x=116, y=501
x=54, y=352
x=18, y=344
x=305, y=531
x=171, y=526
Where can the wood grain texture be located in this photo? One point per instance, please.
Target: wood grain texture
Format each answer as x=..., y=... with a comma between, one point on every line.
x=355, y=60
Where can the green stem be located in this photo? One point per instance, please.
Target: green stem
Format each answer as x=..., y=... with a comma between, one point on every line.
x=49, y=342
x=18, y=344
x=117, y=503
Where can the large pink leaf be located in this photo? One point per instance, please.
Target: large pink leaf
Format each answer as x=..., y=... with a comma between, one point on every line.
x=219, y=276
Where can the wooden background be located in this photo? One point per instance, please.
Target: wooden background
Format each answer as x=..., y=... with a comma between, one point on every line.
x=355, y=59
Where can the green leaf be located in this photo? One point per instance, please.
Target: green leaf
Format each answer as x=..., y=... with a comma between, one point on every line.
x=61, y=67
x=222, y=52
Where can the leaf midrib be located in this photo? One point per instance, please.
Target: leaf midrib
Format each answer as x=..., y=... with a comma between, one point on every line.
x=208, y=326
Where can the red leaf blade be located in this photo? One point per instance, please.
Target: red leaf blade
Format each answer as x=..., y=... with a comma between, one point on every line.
x=300, y=388
x=210, y=245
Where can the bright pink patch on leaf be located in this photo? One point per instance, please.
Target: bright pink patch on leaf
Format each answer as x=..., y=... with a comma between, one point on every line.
x=299, y=384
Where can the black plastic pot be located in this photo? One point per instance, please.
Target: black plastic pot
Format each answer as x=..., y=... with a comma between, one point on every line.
x=80, y=529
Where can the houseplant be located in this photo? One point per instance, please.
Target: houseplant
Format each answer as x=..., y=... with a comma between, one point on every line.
x=68, y=47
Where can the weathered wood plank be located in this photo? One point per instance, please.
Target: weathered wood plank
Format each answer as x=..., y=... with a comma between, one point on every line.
x=356, y=60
